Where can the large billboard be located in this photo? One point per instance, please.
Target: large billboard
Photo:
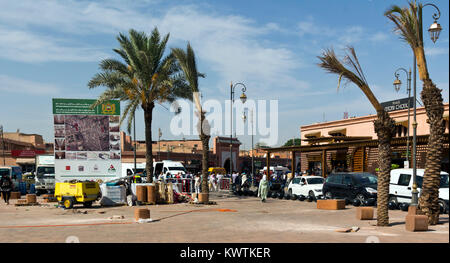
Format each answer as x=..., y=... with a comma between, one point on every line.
x=87, y=141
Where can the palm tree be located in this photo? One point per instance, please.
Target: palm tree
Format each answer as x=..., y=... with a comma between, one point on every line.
x=143, y=79
x=188, y=65
x=408, y=24
x=384, y=125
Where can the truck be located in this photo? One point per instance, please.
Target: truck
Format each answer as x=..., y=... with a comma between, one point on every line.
x=45, y=174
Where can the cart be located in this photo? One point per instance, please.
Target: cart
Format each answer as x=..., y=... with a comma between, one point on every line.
x=80, y=192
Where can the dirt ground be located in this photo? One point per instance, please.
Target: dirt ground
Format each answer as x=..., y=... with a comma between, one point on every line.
x=233, y=219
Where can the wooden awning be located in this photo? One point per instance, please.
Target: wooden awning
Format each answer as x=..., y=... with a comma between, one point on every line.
x=312, y=135
x=25, y=161
x=333, y=139
x=338, y=132
x=402, y=122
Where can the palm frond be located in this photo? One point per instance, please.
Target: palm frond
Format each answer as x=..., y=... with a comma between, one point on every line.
x=353, y=74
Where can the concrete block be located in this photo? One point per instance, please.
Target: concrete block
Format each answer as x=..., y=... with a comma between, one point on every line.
x=203, y=198
x=364, y=213
x=15, y=195
x=151, y=194
x=331, y=204
x=21, y=201
x=416, y=223
x=31, y=198
x=141, y=213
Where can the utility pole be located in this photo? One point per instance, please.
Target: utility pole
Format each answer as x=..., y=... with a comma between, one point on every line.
x=159, y=143
x=3, y=144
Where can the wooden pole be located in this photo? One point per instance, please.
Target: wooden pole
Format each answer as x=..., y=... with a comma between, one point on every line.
x=268, y=166
x=293, y=163
x=324, y=163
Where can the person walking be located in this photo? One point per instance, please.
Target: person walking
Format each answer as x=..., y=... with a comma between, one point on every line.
x=197, y=183
x=212, y=182
x=219, y=181
x=233, y=177
x=6, y=185
x=263, y=188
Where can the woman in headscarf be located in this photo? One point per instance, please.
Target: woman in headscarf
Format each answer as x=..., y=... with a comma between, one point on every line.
x=263, y=188
x=244, y=181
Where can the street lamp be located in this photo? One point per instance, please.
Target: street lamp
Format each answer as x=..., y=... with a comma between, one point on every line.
x=434, y=31
x=397, y=85
x=243, y=99
x=435, y=28
x=244, y=118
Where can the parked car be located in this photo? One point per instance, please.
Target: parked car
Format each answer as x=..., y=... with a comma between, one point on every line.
x=307, y=186
x=355, y=185
x=400, y=190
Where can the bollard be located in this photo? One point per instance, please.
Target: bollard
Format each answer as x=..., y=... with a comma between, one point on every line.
x=141, y=213
x=141, y=193
x=151, y=194
x=203, y=198
x=416, y=223
x=364, y=213
x=31, y=198
x=331, y=204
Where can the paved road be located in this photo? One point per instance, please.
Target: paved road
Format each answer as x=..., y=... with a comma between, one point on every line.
x=232, y=219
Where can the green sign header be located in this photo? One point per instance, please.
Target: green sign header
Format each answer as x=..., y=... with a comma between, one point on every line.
x=83, y=107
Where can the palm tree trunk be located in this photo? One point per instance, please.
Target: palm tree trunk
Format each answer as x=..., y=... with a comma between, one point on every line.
x=148, y=115
x=385, y=129
x=205, y=155
x=205, y=161
x=429, y=196
x=421, y=63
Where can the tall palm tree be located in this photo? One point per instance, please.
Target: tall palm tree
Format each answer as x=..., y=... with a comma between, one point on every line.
x=408, y=24
x=145, y=77
x=351, y=71
x=188, y=65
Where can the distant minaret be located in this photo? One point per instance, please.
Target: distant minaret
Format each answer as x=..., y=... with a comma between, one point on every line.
x=345, y=115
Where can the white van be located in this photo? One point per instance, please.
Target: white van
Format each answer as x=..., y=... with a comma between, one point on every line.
x=128, y=169
x=401, y=186
x=277, y=170
x=169, y=169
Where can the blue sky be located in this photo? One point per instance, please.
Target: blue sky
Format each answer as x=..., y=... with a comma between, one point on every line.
x=52, y=48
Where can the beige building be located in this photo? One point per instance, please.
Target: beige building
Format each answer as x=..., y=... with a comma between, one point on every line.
x=21, y=149
x=351, y=144
x=363, y=126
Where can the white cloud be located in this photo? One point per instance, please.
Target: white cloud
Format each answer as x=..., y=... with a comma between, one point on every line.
x=15, y=85
x=379, y=37
x=436, y=51
x=26, y=46
x=230, y=45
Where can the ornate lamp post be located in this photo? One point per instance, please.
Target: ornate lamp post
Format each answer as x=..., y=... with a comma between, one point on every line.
x=243, y=98
x=397, y=85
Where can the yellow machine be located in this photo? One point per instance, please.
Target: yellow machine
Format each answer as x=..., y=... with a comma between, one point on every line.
x=217, y=170
x=72, y=193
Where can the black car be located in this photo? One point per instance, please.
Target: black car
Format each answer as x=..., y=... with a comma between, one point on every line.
x=354, y=185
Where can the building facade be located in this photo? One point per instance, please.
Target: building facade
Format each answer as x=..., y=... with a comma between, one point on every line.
x=359, y=158
x=351, y=144
x=20, y=149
